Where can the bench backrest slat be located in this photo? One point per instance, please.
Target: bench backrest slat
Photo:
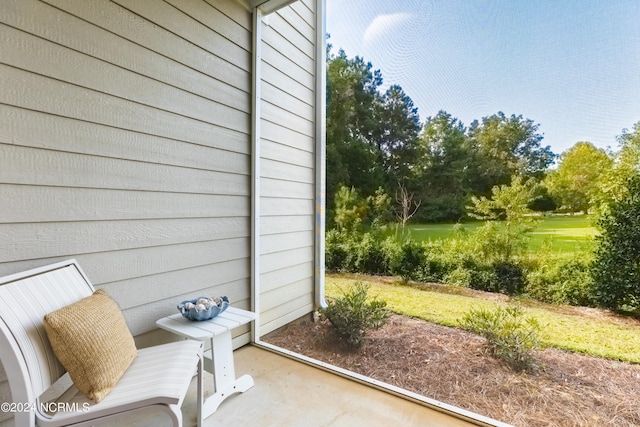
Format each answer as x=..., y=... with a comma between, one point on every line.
x=24, y=300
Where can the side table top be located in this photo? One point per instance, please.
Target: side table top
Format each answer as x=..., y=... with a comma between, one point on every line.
x=206, y=329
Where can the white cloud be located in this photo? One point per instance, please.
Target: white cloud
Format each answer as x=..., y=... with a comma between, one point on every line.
x=383, y=24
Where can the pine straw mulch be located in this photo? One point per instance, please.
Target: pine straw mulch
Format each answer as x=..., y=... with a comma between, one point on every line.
x=451, y=365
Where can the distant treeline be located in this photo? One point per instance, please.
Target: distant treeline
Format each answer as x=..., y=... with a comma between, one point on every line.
x=377, y=145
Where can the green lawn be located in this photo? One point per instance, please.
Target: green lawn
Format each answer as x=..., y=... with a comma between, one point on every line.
x=580, y=330
x=561, y=234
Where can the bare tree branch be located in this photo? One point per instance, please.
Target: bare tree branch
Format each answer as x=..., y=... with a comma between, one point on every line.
x=408, y=207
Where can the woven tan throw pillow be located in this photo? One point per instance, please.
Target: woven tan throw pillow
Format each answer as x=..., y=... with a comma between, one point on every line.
x=91, y=340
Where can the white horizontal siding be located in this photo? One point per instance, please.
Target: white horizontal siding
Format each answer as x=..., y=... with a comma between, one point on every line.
x=62, y=64
x=293, y=310
x=275, y=225
x=71, y=135
x=293, y=171
x=36, y=92
x=32, y=241
x=287, y=185
x=285, y=258
x=192, y=22
x=36, y=203
x=283, y=242
x=32, y=166
x=277, y=207
x=139, y=28
x=298, y=79
x=277, y=133
x=290, y=42
x=124, y=142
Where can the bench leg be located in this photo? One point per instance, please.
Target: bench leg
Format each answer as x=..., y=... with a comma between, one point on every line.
x=224, y=377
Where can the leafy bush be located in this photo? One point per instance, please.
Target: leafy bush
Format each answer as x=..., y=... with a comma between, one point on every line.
x=616, y=267
x=335, y=250
x=482, y=276
x=354, y=252
x=445, y=256
x=459, y=277
x=380, y=211
x=562, y=280
x=495, y=242
x=353, y=314
x=510, y=337
x=508, y=204
x=471, y=259
x=350, y=208
x=508, y=278
x=369, y=255
x=433, y=269
x=408, y=260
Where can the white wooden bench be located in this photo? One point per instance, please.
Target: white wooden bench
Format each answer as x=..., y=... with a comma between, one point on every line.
x=41, y=391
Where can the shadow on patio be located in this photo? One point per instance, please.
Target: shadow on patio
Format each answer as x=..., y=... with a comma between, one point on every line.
x=290, y=393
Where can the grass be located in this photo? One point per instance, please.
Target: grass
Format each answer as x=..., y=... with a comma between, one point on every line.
x=563, y=234
x=426, y=232
x=559, y=234
x=589, y=331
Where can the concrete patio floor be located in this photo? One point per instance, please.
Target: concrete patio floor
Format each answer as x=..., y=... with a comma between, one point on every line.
x=289, y=393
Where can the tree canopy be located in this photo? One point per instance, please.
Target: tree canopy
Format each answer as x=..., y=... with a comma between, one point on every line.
x=507, y=146
x=371, y=136
x=376, y=143
x=441, y=175
x=613, y=182
x=575, y=182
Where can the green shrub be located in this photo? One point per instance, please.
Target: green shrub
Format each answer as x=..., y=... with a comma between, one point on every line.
x=350, y=208
x=433, y=270
x=445, y=256
x=409, y=260
x=353, y=314
x=459, y=277
x=510, y=337
x=470, y=259
x=503, y=277
x=335, y=251
x=495, y=242
x=482, y=277
x=343, y=252
x=468, y=272
x=508, y=278
x=368, y=252
x=616, y=267
x=370, y=256
x=562, y=280
x=354, y=251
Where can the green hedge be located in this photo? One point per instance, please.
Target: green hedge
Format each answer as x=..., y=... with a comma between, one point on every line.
x=459, y=261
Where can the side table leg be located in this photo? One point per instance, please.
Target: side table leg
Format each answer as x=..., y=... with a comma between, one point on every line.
x=212, y=403
x=224, y=377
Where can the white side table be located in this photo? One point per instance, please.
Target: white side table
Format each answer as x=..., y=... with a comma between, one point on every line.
x=221, y=365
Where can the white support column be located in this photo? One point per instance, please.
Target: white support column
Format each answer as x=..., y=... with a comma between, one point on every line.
x=320, y=175
x=255, y=171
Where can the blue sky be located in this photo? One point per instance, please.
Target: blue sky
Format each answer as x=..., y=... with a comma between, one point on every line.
x=572, y=66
